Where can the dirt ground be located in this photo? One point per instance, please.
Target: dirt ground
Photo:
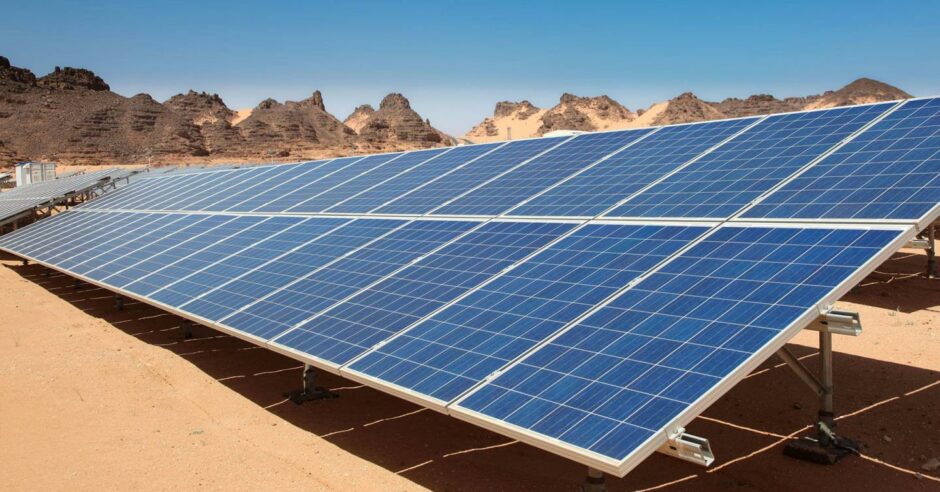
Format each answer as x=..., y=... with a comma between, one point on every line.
x=92, y=398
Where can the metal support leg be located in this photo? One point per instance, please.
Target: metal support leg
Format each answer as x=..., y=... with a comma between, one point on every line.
x=77, y=284
x=932, y=252
x=25, y=262
x=119, y=302
x=187, y=328
x=594, y=482
x=826, y=448
x=310, y=391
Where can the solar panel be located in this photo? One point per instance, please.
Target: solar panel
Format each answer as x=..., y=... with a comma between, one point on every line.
x=18, y=201
x=366, y=180
x=341, y=177
x=286, y=195
x=241, y=199
x=149, y=233
x=334, y=282
x=29, y=240
x=231, y=298
x=387, y=191
x=607, y=387
x=616, y=178
x=189, y=187
x=456, y=348
x=731, y=176
x=337, y=335
x=510, y=189
x=198, y=248
x=123, y=198
x=234, y=182
x=179, y=287
x=890, y=171
x=439, y=191
x=89, y=235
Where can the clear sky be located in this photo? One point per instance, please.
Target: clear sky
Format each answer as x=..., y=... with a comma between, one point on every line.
x=455, y=60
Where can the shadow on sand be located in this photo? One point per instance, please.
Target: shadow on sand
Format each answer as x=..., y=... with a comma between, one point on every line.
x=747, y=427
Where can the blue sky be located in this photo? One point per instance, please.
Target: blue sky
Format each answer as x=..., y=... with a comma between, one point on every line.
x=455, y=60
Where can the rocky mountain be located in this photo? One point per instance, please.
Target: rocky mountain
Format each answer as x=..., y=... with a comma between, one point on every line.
x=523, y=120
x=585, y=114
x=71, y=116
x=395, y=122
x=861, y=91
x=358, y=118
x=200, y=107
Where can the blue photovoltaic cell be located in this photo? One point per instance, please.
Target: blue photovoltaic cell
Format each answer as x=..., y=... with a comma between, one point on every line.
x=240, y=199
x=340, y=178
x=521, y=183
x=120, y=199
x=135, y=243
x=405, y=182
x=393, y=304
x=285, y=195
x=614, y=179
x=45, y=230
x=344, y=277
x=890, y=171
x=437, y=192
x=302, y=174
x=280, y=241
x=450, y=352
x=238, y=180
x=42, y=239
x=610, y=382
x=75, y=251
x=189, y=250
x=190, y=188
x=352, y=187
x=736, y=173
x=240, y=293
x=231, y=238
x=193, y=186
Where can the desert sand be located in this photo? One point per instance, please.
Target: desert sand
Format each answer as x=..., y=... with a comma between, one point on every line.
x=99, y=399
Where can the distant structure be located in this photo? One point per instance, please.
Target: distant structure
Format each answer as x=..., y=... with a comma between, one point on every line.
x=34, y=172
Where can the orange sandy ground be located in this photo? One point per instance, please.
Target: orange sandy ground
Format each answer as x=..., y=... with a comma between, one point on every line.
x=92, y=398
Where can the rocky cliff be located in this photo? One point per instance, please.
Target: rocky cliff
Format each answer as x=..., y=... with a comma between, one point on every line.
x=71, y=116
x=523, y=120
x=396, y=123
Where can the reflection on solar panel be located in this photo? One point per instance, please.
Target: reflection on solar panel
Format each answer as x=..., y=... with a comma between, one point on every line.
x=611, y=180
x=539, y=315
x=892, y=171
x=344, y=277
x=543, y=171
x=177, y=285
x=459, y=346
x=731, y=176
x=364, y=181
x=341, y=177
x=387, y=191
x=408, y=295
x=463, y=179
x=229, y=299
x=607, y=386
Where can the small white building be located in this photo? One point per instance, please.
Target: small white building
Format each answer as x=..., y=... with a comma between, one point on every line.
x=34, y=172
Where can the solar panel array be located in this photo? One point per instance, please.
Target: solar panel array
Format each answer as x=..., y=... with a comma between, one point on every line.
x=21, y=199
x=585, y=294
